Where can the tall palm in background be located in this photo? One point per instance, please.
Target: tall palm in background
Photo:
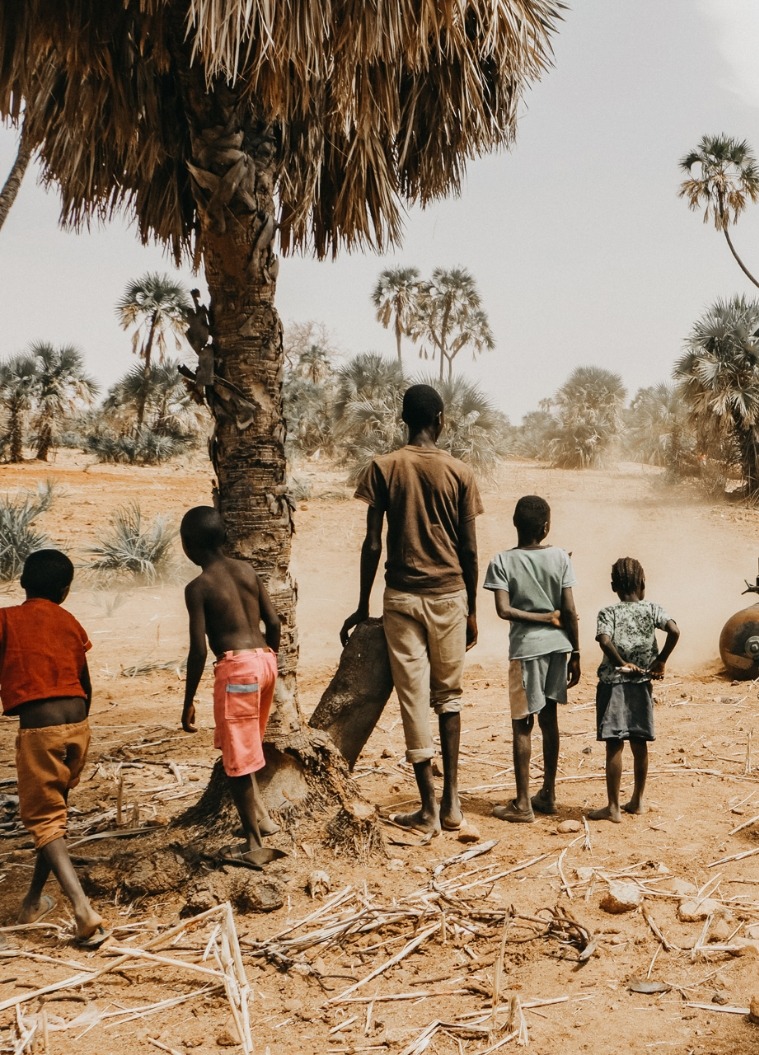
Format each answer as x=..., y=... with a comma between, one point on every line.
x=61, y=386
x=718, y=378
x=18, y=377
x=221, y=127
x=154, y=307
x=448, y=315
x=657, y=429
x=12, y=184
x=723, y=176
x=168, y=409
x=394, y=297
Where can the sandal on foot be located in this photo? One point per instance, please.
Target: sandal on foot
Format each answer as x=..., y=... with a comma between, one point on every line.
x=543, y=805
x=94, y=940
x=510, y=812
x=256, y=859
x=408, y=823
x=47, y=904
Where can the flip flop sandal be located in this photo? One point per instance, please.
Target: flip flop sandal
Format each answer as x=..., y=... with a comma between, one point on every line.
x=397, y=820
x=255, y=859
x=47, y=904
x=95, y=940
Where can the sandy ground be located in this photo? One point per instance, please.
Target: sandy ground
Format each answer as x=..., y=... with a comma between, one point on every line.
x=472, y=938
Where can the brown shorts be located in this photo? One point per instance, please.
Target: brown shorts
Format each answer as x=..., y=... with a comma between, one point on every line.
x=242, y=696
x=49, y=762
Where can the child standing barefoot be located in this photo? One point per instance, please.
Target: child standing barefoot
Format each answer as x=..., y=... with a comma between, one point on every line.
x=626, y=633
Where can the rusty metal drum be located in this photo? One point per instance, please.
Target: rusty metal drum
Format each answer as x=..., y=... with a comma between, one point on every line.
x=739, y=644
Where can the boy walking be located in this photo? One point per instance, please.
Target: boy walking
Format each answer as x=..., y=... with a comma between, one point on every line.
x=624, y=700
x=227, y=603
x=533, y=590
x=429, y=608
x=45, y=682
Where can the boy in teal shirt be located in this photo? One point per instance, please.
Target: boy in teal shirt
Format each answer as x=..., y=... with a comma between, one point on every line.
x=533, y=590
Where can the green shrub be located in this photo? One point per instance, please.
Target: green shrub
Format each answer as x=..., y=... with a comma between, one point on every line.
x=18, y=536
x=133, y=547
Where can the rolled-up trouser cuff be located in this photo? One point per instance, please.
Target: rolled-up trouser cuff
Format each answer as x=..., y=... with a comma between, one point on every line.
x=454, y=705
x=420, y=754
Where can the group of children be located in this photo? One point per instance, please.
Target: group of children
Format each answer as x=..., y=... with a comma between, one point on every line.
x=44, y=681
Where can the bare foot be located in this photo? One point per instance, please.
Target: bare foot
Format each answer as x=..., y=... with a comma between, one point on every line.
x=417, y=822
x=451, y=817
x=37, y=910
x=606, y=813
x=634, y=807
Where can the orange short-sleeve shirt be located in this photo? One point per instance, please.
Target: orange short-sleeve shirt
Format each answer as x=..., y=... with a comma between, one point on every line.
x=42, y=653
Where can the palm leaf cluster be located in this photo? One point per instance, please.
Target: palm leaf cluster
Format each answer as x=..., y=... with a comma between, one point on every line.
x=584, y=419
x=47, y=384
x=368, y=103
x=133, y=547
x=718, y=380
x=18, y=534
x=658, y=431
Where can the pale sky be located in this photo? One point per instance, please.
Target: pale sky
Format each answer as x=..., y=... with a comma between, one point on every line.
x=582, y=250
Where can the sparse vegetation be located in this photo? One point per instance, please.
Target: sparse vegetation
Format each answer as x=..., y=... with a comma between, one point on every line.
x=133, y=547
x=18, y=534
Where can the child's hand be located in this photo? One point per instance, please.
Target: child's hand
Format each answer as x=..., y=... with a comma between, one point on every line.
x=631, y=668
x=188, y=718
x=554, y=619
x=656, y=670
x=573, y=670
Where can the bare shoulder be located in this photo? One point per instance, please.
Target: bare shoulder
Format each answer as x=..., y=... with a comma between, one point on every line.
x=242, y=572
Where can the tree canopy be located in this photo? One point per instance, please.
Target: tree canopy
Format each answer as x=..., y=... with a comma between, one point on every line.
x=370, y=104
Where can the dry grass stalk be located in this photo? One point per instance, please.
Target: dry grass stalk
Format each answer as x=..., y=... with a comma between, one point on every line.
x=747, y=766
x=656, y=931
x=164, y=1047
x=746, y=824
x=498, y=976
x=734, y=857
x=408, y=948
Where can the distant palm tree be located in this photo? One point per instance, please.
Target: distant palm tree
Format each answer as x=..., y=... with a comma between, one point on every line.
x=448, y=313
x=365, y=376
x=155, y=306
x=20, y=164
x=60, y=386
x=726, y=176
x=18, y=377
x=718, y=378
x=168, y=406
x=394, y=297
x=657, y=430
x=588, y=409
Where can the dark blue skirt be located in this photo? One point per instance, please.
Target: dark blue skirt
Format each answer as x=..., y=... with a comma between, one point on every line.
x=625, y=711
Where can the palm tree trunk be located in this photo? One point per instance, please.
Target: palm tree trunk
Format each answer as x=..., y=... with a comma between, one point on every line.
x=13, y=183
x=16, y=433
x=145, y=387
x=740, y=263
x=248, y=447
x=44, y=441
x=398, y=335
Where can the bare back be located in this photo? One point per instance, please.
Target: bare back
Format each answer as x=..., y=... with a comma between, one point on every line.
x=233, y=602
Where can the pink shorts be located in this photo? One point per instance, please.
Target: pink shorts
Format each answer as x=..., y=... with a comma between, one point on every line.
x=242, y=697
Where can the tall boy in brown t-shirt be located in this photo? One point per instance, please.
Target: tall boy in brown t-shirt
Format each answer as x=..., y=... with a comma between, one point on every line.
x=429, y=612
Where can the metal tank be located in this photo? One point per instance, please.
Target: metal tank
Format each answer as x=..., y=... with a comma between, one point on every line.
x=739, y=640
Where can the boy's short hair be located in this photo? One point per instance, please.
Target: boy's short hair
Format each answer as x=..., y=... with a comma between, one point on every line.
x=422, y=404
x=204, y=527
x=627, y=575
x=47, y=573
x=531, y=515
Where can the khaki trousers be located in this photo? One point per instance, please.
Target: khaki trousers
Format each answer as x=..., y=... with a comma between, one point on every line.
x=426, y=642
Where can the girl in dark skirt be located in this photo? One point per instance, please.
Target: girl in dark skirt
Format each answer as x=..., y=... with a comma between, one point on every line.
x=626, y=633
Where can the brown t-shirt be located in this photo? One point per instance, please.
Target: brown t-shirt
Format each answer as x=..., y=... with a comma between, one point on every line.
x=427, y=495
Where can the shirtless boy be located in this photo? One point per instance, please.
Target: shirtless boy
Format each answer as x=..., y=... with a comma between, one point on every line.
x=45, y=683
x=227, y=603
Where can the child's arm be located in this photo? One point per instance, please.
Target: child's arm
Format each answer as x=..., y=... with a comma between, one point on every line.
x=656, y=670
x=571, y=628
x=270, y=618
x=86, y=683
x=609, y=650
x=517, y=615
x=196, y=657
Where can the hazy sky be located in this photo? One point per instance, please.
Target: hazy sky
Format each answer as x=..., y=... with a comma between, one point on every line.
x=580, y=246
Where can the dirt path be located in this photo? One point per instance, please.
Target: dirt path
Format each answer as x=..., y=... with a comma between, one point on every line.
x=475, y=946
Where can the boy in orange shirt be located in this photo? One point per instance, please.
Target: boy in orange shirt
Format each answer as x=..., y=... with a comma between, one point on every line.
x=45, y=682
